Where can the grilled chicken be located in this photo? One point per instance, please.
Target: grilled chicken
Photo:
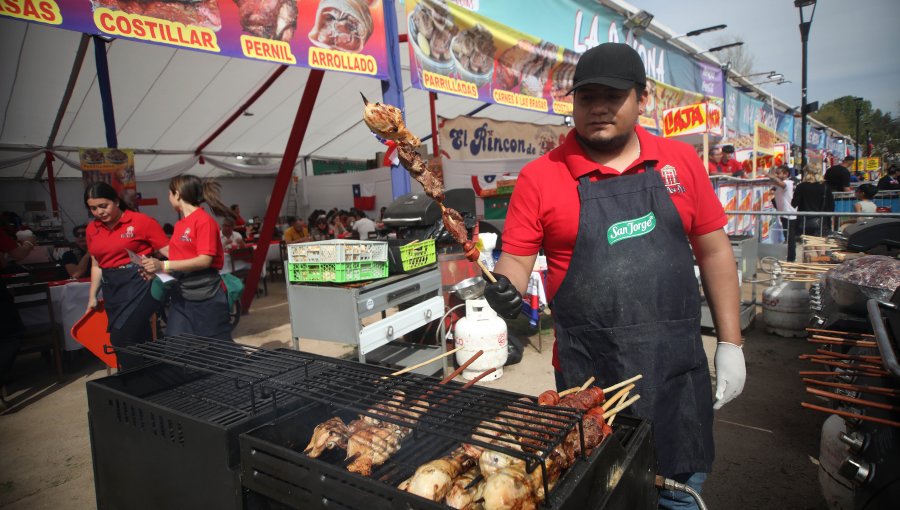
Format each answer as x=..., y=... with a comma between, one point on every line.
x=491, y=461
x=326, y=436
x=386, y=121
x=433, y=479
x=371, y=447
x=465, y=493
x=509, y=489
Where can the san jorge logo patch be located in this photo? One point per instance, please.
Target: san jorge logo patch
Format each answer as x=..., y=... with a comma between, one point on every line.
x=631, y=228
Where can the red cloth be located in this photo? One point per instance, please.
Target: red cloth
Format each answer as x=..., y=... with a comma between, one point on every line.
x=544, y=209
x=717, y=169
x=239, y=221
x=197, y=234
x=135, y=231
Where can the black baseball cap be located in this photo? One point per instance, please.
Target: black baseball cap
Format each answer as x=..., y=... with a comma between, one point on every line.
x=615, y=65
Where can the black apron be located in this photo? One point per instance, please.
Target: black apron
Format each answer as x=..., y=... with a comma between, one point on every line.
x=129, y=305
x=630, y=304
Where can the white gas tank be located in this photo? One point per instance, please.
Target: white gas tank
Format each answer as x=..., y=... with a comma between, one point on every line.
x=481, y=330
x=786, y=309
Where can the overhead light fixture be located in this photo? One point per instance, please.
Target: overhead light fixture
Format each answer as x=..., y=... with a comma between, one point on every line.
x=699, y=31
x=724, y=47
x=247, y=114
x=638, y=21
x=239, y=157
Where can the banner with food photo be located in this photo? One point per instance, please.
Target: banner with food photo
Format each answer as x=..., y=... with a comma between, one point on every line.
x=477, y=139
x=336, y=35
x=112, y=166
x=500, y=52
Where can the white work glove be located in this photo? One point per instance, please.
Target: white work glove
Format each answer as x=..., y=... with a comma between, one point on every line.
x=731, y=372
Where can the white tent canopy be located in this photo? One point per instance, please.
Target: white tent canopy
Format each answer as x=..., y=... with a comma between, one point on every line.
x=170, y=100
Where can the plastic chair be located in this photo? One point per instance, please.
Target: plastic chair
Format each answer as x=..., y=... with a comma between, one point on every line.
x=39, y=337
x=246, y=255
x=276, y=267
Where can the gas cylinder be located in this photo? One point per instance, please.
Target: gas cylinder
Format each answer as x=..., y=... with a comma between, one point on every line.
x=786, y=309
x=481, y=330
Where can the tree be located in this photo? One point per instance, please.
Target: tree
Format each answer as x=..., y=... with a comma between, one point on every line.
x=742, y=61
x=840, y=114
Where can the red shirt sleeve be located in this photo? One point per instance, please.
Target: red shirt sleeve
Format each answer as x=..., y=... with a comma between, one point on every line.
x=523, y=233
x=207, y=240
x=155, y=234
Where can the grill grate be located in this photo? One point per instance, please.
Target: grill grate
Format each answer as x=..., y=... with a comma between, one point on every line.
x=439, y=416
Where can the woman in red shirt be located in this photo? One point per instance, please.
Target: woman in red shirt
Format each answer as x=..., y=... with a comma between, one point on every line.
x=127, y=299
x=199, y=302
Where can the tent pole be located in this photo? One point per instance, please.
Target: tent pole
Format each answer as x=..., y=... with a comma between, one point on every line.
x=109, y=117
x=291, y=151
x=51, y=182
x=240, y=111
x=392, y=89
x=434, y=139
x=67, y=96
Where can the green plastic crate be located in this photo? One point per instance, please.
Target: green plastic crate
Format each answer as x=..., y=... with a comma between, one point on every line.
x=338, y=272
x=417, y=254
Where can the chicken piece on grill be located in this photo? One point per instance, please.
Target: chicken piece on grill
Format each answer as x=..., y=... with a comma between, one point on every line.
x=509, y=489
x=411, y=159
x=371, y=447
x=433, y=479
x=465, y=493
x=491, y=461
x=386, y=121
x=270, y=19
x=327, y=435
x=394, y=407
x=455, y=224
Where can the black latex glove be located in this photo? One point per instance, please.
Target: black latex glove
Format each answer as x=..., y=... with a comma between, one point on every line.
x=503, y=297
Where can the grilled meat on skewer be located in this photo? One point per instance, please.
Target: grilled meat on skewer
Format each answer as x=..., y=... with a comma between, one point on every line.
x=326, y=436
x=386, y=121
x=434, y=188
x=455, y=224
x=371, y=447
x=433, y=479
x=509, y=489
x=587, y=399
x=463, y=495
x=411, y=159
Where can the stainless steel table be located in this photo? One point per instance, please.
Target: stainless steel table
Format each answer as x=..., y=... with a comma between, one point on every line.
x=334, y=313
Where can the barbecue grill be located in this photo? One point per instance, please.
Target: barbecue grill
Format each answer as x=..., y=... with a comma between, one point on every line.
x=417, y=216
x=177, y=420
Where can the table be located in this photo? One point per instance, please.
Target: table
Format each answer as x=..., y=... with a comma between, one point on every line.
x=69, y=299
x=272, y=255
x=334, y=313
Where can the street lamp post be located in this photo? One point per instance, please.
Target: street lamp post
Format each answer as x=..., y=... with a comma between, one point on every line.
x=858, y=101
x=804, y=38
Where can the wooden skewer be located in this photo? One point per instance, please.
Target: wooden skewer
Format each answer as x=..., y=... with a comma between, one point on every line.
x=587, y=383
x=848, y=414
x=618, y=396
x=857, y=343
x=461, y=368
x=611, y=419
x=847, y=373
x=860, y=357
x=623, y=383
x=422, y=364
x=858, y=401
x=480, y=377
x=620, y=407
x=845, y=333
x=568, y=391
x=888, y=392
x=852, y=366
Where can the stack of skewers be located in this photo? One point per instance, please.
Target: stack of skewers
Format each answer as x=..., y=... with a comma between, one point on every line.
x=817, y=249
x=386, y=121
x=847, y=365
x=804, y=272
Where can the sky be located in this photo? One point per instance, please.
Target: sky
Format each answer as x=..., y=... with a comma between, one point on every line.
x=853, y=49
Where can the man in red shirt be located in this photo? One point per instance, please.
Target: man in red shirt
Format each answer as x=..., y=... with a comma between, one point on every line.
x=617, y=211
x=732, y=166
x=716, y=167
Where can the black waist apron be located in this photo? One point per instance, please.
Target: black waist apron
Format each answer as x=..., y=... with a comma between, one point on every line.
x=630, y=304
x=124, y=289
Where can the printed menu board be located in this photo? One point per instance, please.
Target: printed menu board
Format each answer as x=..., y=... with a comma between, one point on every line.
x=336, y=35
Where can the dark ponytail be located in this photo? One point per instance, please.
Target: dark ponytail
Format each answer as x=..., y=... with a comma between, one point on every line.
x=195, y=191
x=103, y=190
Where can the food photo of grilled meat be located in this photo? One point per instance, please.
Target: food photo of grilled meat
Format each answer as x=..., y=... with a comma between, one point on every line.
x=343, y=25
x=527, y=66
x=474, y=49
x=433, y=29
x=200, y=13
x=563, y=75
x=269, y=19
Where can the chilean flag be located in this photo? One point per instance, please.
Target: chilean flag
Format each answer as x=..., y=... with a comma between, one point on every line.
x=364, y=196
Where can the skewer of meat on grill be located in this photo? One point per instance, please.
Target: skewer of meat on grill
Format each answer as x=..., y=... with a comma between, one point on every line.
x=386, y=121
